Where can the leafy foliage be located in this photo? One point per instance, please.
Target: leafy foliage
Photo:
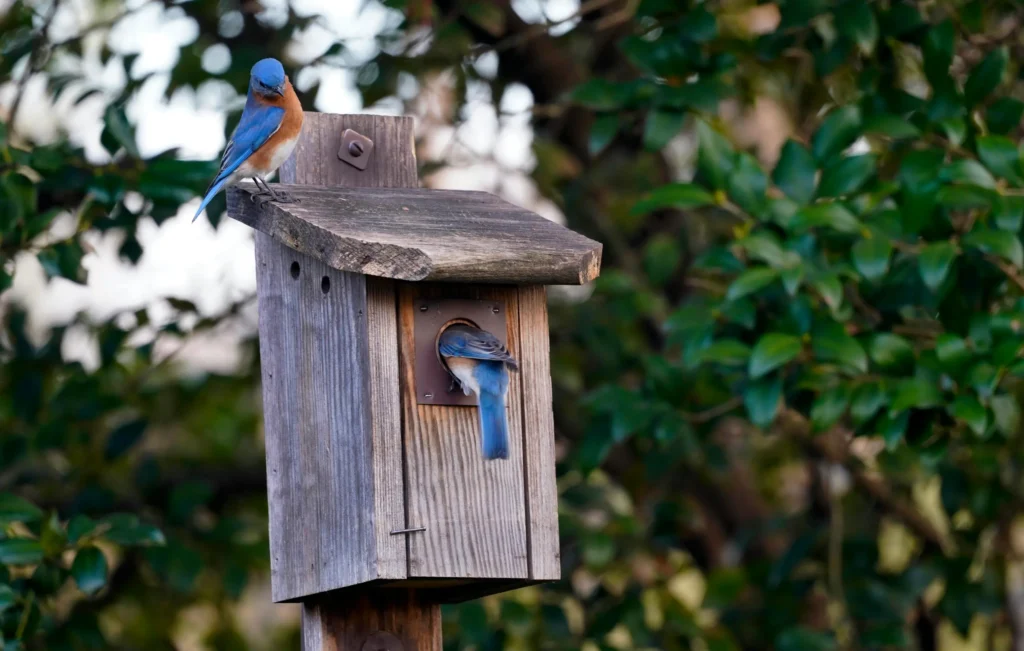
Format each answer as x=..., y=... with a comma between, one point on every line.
x=788, y=414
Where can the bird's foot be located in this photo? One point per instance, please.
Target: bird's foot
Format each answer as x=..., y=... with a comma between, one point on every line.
x=273, y=197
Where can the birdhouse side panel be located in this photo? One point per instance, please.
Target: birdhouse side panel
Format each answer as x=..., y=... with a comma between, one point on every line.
x=386, y=406
x=318, y=422
x=472, y=510
x=538, y=435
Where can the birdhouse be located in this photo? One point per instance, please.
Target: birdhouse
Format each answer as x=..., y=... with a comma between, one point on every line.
x=374, y=467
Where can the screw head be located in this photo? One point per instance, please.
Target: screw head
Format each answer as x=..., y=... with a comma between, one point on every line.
x=495, y=309
x=428, y=396
x=424, y=308
x=355, y=149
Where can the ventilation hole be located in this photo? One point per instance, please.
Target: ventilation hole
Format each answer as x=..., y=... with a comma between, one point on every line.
x=325, y=284
x=295, y=270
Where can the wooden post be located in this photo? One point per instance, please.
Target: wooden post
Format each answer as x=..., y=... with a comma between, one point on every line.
x=363, y=618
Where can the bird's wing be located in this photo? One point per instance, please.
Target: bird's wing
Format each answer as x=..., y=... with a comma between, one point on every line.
x=257, y=124
x=475, y=344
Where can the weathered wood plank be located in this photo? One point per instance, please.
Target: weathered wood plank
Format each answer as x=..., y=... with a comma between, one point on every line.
x=416, y=234
x=315, y=162
x=539, y=435
x=315, y=360
x=389, y=498
x=353, y=622
x=473, y=510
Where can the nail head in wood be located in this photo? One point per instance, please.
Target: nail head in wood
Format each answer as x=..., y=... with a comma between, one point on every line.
x=355, y=149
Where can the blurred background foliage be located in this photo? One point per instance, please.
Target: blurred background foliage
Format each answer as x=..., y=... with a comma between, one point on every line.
x=787, y=416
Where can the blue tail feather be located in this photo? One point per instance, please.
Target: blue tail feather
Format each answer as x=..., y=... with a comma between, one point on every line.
x=493, y=425
x=209, y=196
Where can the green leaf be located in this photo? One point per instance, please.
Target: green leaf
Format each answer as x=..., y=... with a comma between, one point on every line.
x=89, y=570
x=835, y=345
x=750, y=281
x=840, y=128
x=1004, y=115
x=832, y=215
x=792, y=277
x=601, y=95
x=891, y=126
x=1008, y=213
x=1006, y=412
x=971, y=412
x=674, y=195
x=829, y=407
x=729, y=352
x=118, y=132
x=846, y=175
x=762, y=400
x=857, y=22
x=123, y=438
x=80, y=527
x=966, y=197
x=952, y=352
x=916, y=393
x=772, y=351
x=747, y=184
x=7, y=599
x=17, y=509
x=968, y=172
x=20, y=551
x=934, y=263
x=795, y=173
x=603, y=132
x=938, y=52
x=891, y=352
x=1001, y=156
x=986, y=76
x=802, y=639
x=661, y=127
x=715, y=155
x=999, y=243
x=892, y=427
x=866, y=401
x=830, y=288
x=871, y=257
x=766, y=248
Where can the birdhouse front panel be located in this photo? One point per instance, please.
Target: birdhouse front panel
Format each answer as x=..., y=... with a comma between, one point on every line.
x=472, y=509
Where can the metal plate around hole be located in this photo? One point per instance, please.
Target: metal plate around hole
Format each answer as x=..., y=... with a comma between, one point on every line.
x=350, y=138
x=429, y=316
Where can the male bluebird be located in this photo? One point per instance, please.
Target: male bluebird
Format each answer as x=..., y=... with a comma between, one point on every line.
x=478, y=360
x=266, y=134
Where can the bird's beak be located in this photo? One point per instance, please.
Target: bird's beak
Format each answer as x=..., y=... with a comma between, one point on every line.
x=279, y=90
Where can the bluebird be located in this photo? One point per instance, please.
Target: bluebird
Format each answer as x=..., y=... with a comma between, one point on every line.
x=265, y=135
x=480, y=363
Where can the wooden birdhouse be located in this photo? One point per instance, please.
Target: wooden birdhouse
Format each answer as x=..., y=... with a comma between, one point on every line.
x=374, y=468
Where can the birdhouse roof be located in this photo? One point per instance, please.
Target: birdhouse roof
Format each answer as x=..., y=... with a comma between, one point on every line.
x=420, y=234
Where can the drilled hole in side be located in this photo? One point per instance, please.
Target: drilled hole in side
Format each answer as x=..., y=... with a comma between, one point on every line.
x=325, y=284
x=295, y=270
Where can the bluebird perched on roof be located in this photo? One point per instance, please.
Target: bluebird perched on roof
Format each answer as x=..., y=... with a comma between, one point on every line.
x=265, y=136
x=480, y=363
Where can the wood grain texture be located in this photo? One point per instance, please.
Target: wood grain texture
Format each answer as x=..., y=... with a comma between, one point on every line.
x=473, y=510
x=347, y=622
x=388, y=482
x=539, y=435
x=315, y=159
x=365, y=550
x=320, y=472
x=416, y=235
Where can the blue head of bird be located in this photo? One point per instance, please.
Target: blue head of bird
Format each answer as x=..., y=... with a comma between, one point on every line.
x=267, y=78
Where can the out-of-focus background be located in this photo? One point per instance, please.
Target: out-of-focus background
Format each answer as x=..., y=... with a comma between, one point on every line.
x=787, y=414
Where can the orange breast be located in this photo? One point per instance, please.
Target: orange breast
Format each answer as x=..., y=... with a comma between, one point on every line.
x=291, y=125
